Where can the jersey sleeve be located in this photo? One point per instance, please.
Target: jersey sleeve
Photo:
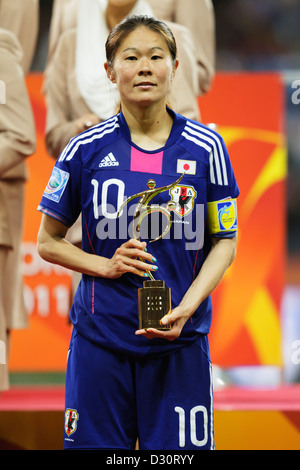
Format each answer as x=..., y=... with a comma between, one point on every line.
x=61, y=198
x=223, y=191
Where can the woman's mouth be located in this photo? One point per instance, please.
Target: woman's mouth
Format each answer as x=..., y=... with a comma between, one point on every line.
x=145, y=85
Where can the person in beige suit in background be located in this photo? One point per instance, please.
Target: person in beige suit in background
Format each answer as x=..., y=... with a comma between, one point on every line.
x=21, y=17
x=198, y=16
x=69, y=111
x=18, y=35
x=17, y=142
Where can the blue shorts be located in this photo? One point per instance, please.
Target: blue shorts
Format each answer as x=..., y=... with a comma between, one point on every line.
x=111, y=400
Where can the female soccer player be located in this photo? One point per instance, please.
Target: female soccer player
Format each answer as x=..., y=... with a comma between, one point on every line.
x=123, y=382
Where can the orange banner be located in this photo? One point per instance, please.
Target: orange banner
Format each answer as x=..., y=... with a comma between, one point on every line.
x=43, y=346
x=249, y=112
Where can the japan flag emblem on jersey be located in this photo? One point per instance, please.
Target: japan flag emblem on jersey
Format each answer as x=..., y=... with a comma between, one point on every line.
x=186, y=166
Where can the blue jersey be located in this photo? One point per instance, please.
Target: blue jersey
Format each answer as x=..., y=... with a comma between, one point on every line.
x=93, y=176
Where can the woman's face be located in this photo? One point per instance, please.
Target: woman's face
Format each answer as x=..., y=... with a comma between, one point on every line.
x=143, y=68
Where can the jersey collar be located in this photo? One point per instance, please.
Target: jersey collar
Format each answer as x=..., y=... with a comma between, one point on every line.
x=177, y=128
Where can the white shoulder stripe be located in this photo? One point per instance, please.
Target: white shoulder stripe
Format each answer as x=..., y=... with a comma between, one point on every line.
x=206, y=147
x=89, y=140
x=211, y=168
x=87, y=133
x=95, y=132
x=196, y=141
x=217, y=158
x=213, y=157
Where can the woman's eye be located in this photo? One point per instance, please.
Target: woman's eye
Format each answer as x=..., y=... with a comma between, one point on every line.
x=156, y=57
x=132, y=57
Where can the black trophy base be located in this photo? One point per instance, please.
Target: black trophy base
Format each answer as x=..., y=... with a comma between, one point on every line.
x=154, y=303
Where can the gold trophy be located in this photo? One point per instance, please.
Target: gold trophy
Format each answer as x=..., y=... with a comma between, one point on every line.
x=154, y=299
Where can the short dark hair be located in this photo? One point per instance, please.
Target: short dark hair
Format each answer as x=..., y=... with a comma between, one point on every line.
x=129, y=24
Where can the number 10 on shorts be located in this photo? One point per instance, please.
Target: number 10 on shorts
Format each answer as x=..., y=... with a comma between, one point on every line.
x=194, y=432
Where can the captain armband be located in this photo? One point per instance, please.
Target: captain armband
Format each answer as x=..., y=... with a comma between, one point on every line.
x=222, y=216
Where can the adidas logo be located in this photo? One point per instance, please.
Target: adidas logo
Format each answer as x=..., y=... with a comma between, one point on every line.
x=109, y=160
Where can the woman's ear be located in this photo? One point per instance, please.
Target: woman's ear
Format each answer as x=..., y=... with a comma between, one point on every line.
x=175, y=67
x=110, y=73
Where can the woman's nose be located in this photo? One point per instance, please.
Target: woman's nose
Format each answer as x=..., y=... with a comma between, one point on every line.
x=145, y=67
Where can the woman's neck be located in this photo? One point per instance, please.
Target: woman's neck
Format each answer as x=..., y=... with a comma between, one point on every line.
x=149, y=128
x=115, y=14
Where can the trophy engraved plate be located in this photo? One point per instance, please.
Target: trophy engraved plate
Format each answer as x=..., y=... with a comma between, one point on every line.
x=154, y=303
x=154, y=298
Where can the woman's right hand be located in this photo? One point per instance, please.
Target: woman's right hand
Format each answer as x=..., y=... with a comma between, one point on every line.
x=130, y=257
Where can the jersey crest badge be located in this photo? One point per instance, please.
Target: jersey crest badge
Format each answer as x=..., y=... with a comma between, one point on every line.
x=71, y=418
x=184, y=197
x=56, y=184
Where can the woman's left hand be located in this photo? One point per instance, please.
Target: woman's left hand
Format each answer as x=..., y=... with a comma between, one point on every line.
x=219, y=259
x=177, y=318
